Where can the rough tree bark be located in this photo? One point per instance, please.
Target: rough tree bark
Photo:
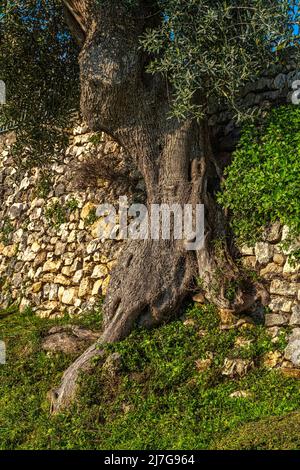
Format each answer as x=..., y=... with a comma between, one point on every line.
x=152, y=278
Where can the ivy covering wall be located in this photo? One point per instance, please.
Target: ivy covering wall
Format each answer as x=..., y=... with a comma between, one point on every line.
x=262, y=184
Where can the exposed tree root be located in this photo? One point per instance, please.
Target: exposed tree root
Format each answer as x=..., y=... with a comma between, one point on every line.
x=148, y=286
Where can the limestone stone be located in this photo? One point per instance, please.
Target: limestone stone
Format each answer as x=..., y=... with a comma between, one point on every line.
x=51, y=306
x=36, y=213
x=39, y=259
x=60, y=169
x=84, y=288
x=285, y=288
x=97, y=287
x=37, y=202
x=62, y=280
x=292, y=352
x=31, y=273
x=66, y=270
x=76, y=265
x=272, y=269
x=35, y=247
x=60, y=293
x=53, y=292
x=16, y=210
x=25, y=183
x=241, y=342
x=59, y=189
x=263, y=252
x=247, y=250
x=236, y=367
x=227, y=317
x=290, y=372
x=69, y=296
x=279, y=259
x=249, y=261
x=241, y=394
x=36, y=287
x=79, y=153
x=77, y=276
x=295, y=334
x=31, y=227
x=18, y=235
x=28, y=255
x=275, y=319
x=72, y=236
x=280, y=304
x=92, y=246
x=64, y=235
x=204, y=364
x=59, y=248
x=10, y=250
x=48, y=277
x=272, y=359
x=100, y=271
x=111, y=264
x=61, y=342
x=17, y=280
x=103, y=230
x=46, y=289
x=68, y=260
x=274, y=332
x=295, y=317
x=86, y=210
x=81, y=139
x=52, y=266
x=38, y=273
x=199, y=298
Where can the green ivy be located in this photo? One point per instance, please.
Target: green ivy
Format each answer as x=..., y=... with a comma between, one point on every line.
x=263, y=182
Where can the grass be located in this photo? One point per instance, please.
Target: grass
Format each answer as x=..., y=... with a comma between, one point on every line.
x=157, y=399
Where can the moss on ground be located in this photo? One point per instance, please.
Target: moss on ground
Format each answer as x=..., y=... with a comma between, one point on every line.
x=158, y=399
x=280, y=432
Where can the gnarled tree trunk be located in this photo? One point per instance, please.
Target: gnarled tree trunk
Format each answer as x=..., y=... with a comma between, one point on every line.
x=152, y=277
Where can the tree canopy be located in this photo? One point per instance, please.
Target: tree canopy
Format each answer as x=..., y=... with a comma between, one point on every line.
x=38, y=63
x=209, y=49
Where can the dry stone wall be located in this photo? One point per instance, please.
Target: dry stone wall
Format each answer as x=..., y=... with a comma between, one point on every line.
x=51, y=258
x=273, y=88
x=270, y=259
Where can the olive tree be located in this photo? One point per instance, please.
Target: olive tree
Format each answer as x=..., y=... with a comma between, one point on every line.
x=149, y=70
